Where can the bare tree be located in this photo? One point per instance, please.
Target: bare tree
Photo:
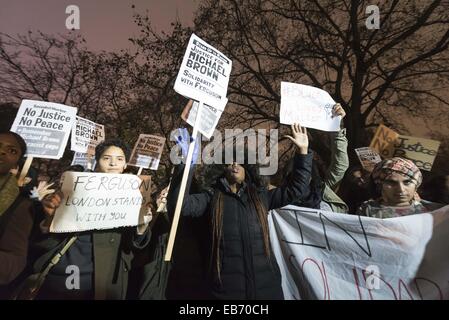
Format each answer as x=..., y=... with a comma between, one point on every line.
x=59, y=69
x=401, y=68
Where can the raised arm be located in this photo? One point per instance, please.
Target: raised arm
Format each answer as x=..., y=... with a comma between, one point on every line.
x=194, y=205
x=339, y=153
x=298, y=187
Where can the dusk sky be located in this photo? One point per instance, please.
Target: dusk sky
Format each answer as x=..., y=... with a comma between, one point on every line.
x=105, y=24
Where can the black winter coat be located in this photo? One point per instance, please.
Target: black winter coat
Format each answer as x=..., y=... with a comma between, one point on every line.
x=246, y=272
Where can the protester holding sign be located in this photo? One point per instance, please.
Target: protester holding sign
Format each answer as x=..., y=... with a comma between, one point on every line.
x=394, y=183
x=16, y=214
x=240, y=254
x=325, y=181
x=337, y=168
x=102, y=258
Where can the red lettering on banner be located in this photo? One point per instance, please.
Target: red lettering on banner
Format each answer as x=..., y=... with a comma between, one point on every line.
x=327, y=283
x=321, y=272
x=400, y=285
x=356, y=278
x=419, y=290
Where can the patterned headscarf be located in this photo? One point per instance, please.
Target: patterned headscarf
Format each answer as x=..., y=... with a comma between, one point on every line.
x=385, y=168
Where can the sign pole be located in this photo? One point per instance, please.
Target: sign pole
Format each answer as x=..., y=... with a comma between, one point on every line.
x=89, y=162
x=140, y=171
x=23, y=174
x=179, y=202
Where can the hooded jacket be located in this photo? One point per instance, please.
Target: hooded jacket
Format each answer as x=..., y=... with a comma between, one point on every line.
x=246, y=272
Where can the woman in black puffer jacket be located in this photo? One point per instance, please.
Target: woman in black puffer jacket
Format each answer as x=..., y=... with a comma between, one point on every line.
x=242, y=264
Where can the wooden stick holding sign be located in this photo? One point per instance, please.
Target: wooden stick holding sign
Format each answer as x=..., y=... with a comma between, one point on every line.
x=24, y=172
x=140, y=171
x=185, y=176
x=89, y=162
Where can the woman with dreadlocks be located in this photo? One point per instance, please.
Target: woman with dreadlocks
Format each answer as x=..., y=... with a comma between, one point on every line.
x=242, y=264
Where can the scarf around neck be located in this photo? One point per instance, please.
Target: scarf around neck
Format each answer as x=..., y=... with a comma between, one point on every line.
x=9, y=190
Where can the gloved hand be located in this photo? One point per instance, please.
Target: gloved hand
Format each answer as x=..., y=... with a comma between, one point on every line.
x=183, y=140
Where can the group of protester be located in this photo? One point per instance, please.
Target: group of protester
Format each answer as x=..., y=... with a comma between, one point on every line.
x=234, y=257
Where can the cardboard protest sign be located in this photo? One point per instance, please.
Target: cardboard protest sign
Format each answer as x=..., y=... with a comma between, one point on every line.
x=147, y=151
x=421, y=151
x=204, y=74
x=95, y=201
x=383, y=141
x=84, y=159
x=86, y=135
x=333, y=256
x=209, y=117
x=309, y=106
x=368, y=157
x=45, y=127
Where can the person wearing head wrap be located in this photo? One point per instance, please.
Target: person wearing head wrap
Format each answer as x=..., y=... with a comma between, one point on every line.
x=394, y=183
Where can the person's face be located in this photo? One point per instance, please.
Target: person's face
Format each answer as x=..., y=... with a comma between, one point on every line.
x=10, y=153
x=360, y=178
x=398, y=190
x=112, y=160
x=235, y=173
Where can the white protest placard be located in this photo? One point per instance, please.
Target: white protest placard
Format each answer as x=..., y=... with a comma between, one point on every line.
x=45, y=127
x=368, y=157
x=147, y=151
x=95, y=201
x=86, y=135
x=204, y=74
x=309, y=106
x=334, y=256
x=84, y=159
x=209, y=117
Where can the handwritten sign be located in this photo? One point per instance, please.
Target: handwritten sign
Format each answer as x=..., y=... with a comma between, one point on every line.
x=209, y=117
x=86, y=135
x=368, y=157
x=332, y=256
x=204, y=74
x=45, y=127
x=94, y=201
x=383, y=141
x=421, y=151
x=309, y=106
x=147, y=151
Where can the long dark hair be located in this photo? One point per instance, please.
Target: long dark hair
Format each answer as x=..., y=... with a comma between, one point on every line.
x=316, y=185
x=253, y=182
